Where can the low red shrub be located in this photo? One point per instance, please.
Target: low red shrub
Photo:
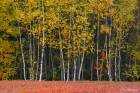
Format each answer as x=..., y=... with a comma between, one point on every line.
x=68, y=87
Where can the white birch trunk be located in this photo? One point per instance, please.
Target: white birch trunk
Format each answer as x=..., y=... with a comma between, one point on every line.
x=43, y=41
x=23, y=58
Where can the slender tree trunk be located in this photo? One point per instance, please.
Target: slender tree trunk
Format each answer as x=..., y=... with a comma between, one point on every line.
x=68, y=68
x=68, y=64
x=109, y=55
x=42, y=60
x=119, y=61
x=106, y=51
x=101, y=70
x=109, y=59
x=62, y=57
x=63, y=71
x=41, y=63
x=63, y=63
x=97, y=49
x=31, y=55
x=23, y=58
x=38, y=58
x=68, y=73
x=116, y=54
x=45, y=60
x=81, y=65
x=43, y=40
x=91, y=68
x=51, y=59
x=74, y=76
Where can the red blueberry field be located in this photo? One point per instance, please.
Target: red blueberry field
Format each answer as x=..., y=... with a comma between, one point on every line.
x=68, y=87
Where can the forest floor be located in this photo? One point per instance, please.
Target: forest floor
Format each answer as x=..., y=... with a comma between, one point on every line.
x=68, y=87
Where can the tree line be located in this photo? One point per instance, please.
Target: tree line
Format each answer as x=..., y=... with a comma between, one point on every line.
x=70, y=40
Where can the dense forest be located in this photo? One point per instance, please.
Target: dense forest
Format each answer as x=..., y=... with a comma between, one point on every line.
x=70, y=40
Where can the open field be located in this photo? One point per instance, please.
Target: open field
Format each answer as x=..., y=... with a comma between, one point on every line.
x=68, y=87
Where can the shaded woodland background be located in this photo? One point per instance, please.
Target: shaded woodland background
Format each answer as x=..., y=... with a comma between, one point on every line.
x=70, y=40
